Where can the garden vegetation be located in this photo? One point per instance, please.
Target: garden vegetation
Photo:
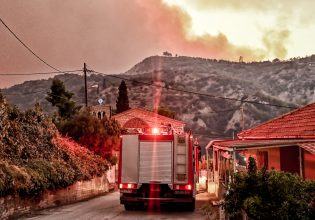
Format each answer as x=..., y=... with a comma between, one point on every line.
x=263, y=194
x=34, y=157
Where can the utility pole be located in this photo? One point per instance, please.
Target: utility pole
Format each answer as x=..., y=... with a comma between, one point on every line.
x=85, y=89
x=242, y=110
x=243, y=119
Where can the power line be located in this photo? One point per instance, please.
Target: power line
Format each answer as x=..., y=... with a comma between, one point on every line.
x=150, y=84
x=174, y=89
x=39, y=73
x=222, y=136
x=228, y=110
x=25, y=93
x=195, y=93
x=212, y=136
x=39, y=91
x=28, y=48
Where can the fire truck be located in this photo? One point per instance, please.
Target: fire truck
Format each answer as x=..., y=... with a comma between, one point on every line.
x=157, y=167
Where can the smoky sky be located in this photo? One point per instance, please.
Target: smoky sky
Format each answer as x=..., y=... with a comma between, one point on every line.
x=108, y=35
x=111, y=36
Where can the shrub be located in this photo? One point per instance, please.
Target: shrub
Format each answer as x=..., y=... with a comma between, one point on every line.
x=6, y=179
x=270, y=195
x=99, y=136
x=35, y=158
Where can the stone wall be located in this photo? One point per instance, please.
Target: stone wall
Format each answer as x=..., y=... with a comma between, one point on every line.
x=11, y=206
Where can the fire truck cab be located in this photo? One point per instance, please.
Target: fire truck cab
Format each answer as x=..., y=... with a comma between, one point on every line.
x=157, y=167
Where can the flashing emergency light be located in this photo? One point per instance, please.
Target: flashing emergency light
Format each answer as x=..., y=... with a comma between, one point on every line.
x=155, y=131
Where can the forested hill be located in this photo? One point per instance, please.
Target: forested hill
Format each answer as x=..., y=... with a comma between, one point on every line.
x=204, y=93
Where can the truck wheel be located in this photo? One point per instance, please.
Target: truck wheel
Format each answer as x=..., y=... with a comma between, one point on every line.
x=191, y=206
x=140, y=206
x=128, y=207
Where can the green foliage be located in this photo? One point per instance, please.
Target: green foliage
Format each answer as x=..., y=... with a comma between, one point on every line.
x=210, y=211
x=270, y=195
x=6, y=180
x=122, y=103
x=34, y=157
x=112, y=159
x=1, y=97
x=14, y=113
x=61, y=98
x=252, y=167
x=165, y=111
x=100, y=136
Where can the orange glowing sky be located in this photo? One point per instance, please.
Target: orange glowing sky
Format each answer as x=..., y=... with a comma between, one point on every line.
x=111, y=36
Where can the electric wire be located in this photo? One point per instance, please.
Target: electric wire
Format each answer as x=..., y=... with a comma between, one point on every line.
x=144, y=83
x=39, y=73
x=195, y=134
x=39, y=91
x=173, y=89
x=195, y=93
x=27, y=47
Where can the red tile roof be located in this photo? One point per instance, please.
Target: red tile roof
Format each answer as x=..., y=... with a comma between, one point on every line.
x=246, y=144
x=150, y=116
x=297, y=124
x=310, y=147
x=240, y=145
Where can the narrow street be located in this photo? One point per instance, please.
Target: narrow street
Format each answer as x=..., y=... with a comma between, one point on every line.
x=108, y=207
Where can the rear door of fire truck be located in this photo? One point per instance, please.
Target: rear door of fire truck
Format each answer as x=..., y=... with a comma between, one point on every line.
x=156, y=169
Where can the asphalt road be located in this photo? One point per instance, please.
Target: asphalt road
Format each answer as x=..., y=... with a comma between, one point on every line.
x=108, y=207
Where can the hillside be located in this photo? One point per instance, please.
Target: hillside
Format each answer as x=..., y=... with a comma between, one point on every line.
x=34, y=157
x=284, y=83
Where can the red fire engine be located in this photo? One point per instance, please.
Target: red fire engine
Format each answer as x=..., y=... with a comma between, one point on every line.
x=157, y=167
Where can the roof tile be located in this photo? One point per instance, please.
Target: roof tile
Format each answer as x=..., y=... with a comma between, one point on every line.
x=299, y=123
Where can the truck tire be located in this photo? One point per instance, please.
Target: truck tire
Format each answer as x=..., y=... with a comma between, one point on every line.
x=128, y=207
x=191, y=206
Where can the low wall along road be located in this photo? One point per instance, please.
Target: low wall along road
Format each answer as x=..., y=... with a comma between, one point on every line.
x=14, y=206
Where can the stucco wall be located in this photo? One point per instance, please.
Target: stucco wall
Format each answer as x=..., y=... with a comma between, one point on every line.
x=15, y=206
x=309, y=166
x=274, y=158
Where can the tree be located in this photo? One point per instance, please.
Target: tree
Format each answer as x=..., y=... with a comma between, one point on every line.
x=61, y=98
x=270, y=195
x=99, y=136
x=122, y=103
x=1, y=96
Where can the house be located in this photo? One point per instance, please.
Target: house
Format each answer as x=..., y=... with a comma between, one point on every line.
x=101, y=111
x=286, y=143
x=140, y=119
